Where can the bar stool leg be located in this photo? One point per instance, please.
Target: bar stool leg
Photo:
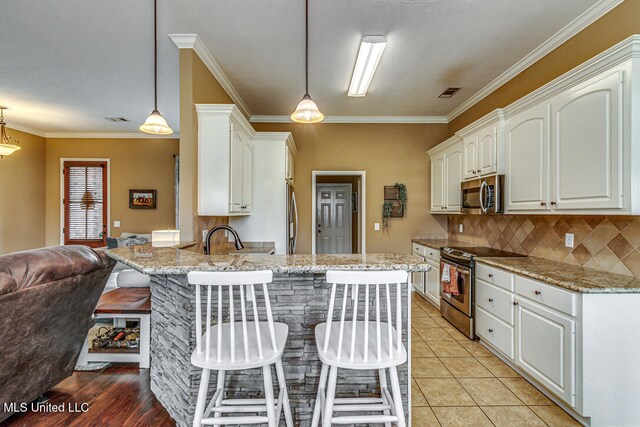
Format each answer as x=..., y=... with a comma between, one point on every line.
x=219, y=386
x=330, y=396
x=202, y=397
x=268, y=392
x=319, y=407
x=397, y=396
x=382, y=374
x=283, y=389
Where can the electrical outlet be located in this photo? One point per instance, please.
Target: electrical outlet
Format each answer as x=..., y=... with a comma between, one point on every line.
x=204, y=235
x=568, y=240
x=376, y=226
x=460, y=228
x=116, y=224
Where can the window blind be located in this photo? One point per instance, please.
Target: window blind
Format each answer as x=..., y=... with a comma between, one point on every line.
x=84, y=202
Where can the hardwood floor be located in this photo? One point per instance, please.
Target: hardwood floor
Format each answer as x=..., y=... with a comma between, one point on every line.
x=116, y=396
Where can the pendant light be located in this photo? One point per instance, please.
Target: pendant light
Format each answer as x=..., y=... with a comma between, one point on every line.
x=155, y=123
x=6, y=147
x=307, y=110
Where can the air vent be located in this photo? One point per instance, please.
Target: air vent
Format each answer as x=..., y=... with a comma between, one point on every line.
x=449, y=92
x=116, y=119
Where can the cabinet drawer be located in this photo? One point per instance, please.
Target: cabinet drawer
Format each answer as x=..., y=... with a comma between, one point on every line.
x=495, y=300
x=495, y=331
x=548, y=295
x=495, y=276
x=433, y=255
x=419, y=249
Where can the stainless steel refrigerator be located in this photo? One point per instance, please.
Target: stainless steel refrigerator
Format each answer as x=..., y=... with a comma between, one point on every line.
x=292, y=220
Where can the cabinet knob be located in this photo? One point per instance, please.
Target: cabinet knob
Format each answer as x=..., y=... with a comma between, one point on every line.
x=491, y=275
x=515, y=303
x=553, y=203
x=490, y=330
x=479, y=170
x=490, y=299
x=537, y=292
x=543, y=204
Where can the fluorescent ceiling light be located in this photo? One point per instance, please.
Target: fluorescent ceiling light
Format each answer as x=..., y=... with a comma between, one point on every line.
x=371, y=48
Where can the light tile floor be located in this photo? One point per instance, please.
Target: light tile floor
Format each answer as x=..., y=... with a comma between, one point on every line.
x=458, y=382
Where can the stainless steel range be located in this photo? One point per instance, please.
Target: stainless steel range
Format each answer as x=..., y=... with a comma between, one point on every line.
x=459, y=308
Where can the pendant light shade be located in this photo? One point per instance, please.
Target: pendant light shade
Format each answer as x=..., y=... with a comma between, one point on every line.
x=155, y=123
x=307, y=111
x=6, y=147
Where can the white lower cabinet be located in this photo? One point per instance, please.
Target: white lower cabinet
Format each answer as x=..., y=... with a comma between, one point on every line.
x=581, y=348
x=546, y=347
x=432, y=282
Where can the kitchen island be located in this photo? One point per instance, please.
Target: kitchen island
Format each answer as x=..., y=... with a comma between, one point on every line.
x=299, y=297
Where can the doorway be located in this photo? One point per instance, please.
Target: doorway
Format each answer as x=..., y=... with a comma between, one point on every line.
x=338, y=212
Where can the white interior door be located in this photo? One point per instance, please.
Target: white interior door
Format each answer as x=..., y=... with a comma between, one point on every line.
x=333, y=218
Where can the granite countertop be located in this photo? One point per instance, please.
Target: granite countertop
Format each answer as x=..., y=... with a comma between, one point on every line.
x=439, y=243
x=567, y=276
x=150, y=260
x=249, y=248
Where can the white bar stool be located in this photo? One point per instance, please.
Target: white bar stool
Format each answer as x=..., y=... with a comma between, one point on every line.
x=362, y=345
x=234, y=346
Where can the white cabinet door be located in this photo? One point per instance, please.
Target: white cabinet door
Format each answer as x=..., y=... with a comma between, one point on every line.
x=487, y=150
x=437, y=183
x=432, y=283
x=236, y=172
x=453, y=178
x=587, y=146
x=247, y=174
x=471, y=169
x=545, y=347
x=417, y=278
x=527, y=157
x=288, y=165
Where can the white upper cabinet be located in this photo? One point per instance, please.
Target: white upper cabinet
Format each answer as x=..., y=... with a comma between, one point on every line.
x=453, y=178
x=587, y=145
x=289, y=165
x=471, y=168
x=437, y=182
x=527, y=159
x=573, y=145
x=225, y=161
x=487, y=150
x=483, y=152
x=446, y=176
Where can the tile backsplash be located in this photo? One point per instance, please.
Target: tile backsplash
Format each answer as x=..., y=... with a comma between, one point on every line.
x=607, y=243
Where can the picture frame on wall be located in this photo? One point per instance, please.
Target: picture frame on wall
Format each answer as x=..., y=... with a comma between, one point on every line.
x=142, y=199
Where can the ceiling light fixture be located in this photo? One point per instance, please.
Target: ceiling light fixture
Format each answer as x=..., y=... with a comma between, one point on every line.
x=369, y=54
x=6, y=147
x=155, y=123
x=307, y=111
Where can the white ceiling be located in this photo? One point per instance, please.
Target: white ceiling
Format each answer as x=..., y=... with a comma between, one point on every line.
x=68, y=64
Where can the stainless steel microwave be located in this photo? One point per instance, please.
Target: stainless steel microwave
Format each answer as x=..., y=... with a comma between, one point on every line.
x=483, y=195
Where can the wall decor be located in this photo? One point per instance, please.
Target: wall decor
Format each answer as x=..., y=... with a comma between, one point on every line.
x=142, y=199
x=397, y=195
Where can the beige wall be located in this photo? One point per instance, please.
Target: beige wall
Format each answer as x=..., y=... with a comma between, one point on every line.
x=22, y=195
x=197, y=85
x=389, y=153
x=135, y=164
x=615, y=26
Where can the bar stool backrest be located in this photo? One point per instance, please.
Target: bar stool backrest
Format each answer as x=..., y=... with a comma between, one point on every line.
x=240, y=284
x=363, y=308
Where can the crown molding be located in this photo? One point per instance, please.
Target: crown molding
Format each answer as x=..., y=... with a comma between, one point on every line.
x=358, y=119
x=455, y=139
x=287, y=137
x=27, y=130
x=193, y=41
x=495, y=116
x=228, y=110
x=109, y=135
x=587, y=18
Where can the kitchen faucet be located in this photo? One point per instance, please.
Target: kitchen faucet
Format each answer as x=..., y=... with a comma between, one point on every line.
x=207, y=241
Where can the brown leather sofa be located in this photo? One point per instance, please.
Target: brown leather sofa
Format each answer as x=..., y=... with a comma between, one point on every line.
x=47, y=298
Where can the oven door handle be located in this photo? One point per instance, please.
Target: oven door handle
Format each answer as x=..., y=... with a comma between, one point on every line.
x=483, y=187
x=458, y=267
